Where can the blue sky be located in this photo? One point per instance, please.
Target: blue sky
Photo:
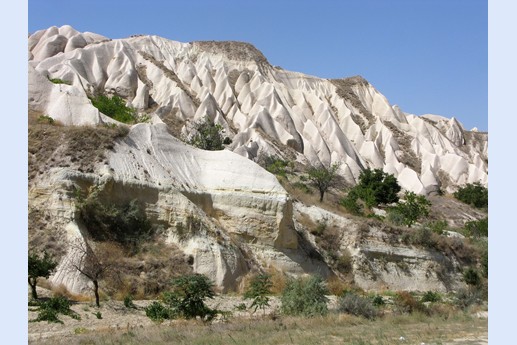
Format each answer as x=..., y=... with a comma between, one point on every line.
x=427, y=56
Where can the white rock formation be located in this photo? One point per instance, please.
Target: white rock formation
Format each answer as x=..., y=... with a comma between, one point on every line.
x=323, y=121
x=245, y=216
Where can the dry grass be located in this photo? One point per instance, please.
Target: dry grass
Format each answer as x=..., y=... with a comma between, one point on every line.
x=79, y=147
x=333, y=329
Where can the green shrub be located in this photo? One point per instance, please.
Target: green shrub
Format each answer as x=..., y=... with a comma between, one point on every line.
x=356, y=305
x=158, y=312
x=437, y=226
x=303, y=187
x=45, y=119
x=260, y=288
x=59, y=81
x=471, y=277
x=49, y=310
x=473, y=194
x=188, y=294
x=350, y=203
x=277, y=166
x=430, y=296
x=207, y=136
x=114, y=107
x=128, y=302
x=477, y=228
x=413, y=208
x=126, y=224
x=377, y=187
x=98, y=315
x=378, y=301
x=305, y=297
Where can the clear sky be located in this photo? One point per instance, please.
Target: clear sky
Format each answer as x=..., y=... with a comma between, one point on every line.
x=427, y=56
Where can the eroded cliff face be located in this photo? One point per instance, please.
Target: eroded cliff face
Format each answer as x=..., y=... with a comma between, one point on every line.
x=223, y=211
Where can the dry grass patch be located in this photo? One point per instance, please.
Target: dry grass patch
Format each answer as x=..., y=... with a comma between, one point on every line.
x=333, y=329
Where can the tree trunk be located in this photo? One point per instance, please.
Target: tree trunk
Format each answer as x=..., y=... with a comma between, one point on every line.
x=96, y=292
x=33, y=288
x=321, y=195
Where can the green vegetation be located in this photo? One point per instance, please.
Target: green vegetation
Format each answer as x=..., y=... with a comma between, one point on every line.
x=158, y=312
x=305, y=297
x=186, y=299
x=59, y=81
x=208, y=136
x=471, y=277
x=477, y=228
x=375, y=187
x=49, y=310
x=45, y=119
x=188, y=295
x=39, y=266
x=114, y=107
x=473, y=194
x=126, y=223
x=277, y=166
x=323, y=177
x=430, y=296
x=413, y=208
x=259, y=289
x=128, y=302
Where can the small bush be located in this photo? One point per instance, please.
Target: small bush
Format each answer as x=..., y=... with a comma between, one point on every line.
x=378, y=301
x=128, y=302
x=188, y=295
x=477, y=228
x=98, y=315
x=471, y=277
x=259, y=290
x=158, y=312
x=437, y=226
x=277, y=166
x=114, y=107
x=207, y=135
x=59, y=81
x=47, y=120
x=49, y=310
x=430, y=296
x=413, y=208
x=473, y=194
x=356, y=305
x=305, y=297
x=375, y=187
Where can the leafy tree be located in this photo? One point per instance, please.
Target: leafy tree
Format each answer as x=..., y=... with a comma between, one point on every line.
x=39, y=267
x=414, y=208
x=208, y=136
x=473, y=194
x=114, y=107
x=305, y=297
x=259, y=288
x=374, y=187
x=188, y=295
x=377, y=187
x=323, y=177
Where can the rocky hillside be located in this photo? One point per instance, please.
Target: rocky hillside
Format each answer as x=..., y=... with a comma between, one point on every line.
x=223, y=212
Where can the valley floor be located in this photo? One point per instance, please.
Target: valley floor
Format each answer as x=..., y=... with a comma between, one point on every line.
x=120, y=325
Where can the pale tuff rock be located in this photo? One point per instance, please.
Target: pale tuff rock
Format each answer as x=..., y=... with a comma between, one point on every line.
x=345, y=120
x=243, y=217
